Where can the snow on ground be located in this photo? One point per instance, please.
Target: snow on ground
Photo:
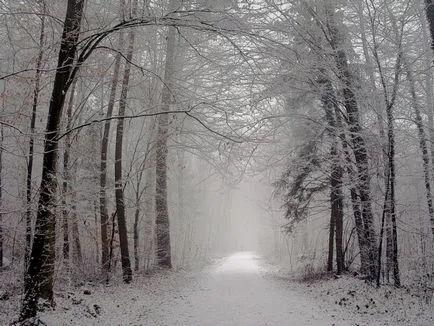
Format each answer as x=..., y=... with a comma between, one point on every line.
x=239, y=290
x=383, y=306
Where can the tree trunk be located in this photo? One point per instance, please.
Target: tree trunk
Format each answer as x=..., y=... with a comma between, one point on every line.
x=331, y=243
x=336, y=196
x=391, y=205
x=36, y=90
x=164, y=257
x=358, y=145
x=354, y=194
x=119, y=184
x=39, y=282
x=378, y=106
x=136, y=235
x=66, y=175
x=104, y=216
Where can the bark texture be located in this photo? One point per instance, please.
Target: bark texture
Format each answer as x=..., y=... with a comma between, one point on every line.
x=40, y=273
x=104, y=215
x=336, y=175
x=164, y=257
x=119, y=183
x=29, y=175
x=358, y=144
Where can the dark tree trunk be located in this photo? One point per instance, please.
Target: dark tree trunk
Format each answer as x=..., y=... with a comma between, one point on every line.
x=39, y=282
x=355, y=198
x=336, y=196
x=358, y=145
x=66, y=175
x=104, y=216
x=32, y=140
x=331, y=243
x=389, y=208
x=391, y=184
x=136, y=234
x=119, y=184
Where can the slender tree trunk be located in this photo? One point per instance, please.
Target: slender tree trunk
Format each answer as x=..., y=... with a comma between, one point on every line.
x=39, y=283
x=378, y=106
x=164, y=257
x=104, y=216
x=136, y=225
x=32, y=140
x=354, y=194
x=336, y=196
x=358, y=145
x=389, y=207
x=66, y=175
x=331, y=249
x=380, y=244
x=391, y=196
x=119, y=184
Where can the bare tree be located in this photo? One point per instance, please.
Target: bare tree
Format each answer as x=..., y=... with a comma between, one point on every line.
x=164, y=258
x=119, y=183
x=336, y=175
x=104, y=215
x=39, y=282
x=357, y=141
x=32, y=139
x=66, y=175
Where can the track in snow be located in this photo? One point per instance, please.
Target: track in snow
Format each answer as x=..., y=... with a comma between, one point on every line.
x=238, y=292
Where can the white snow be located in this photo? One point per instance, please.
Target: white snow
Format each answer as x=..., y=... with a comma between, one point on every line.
x=238, y=290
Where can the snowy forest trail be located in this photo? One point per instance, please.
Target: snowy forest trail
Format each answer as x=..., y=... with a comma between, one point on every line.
x=239, y=292
x=236, y=291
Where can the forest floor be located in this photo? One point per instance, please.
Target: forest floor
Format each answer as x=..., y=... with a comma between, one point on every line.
x=238, y=290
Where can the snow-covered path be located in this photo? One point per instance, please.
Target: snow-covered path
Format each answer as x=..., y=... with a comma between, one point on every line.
x=236, y=291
